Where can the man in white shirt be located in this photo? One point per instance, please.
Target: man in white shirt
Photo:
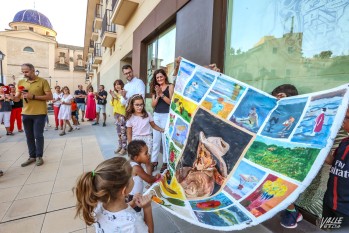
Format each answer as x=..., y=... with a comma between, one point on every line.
x=133, y=86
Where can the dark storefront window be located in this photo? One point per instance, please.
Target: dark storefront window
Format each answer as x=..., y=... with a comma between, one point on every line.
x=305, y=43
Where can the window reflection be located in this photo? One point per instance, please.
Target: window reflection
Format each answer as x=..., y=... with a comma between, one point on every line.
x=305, y=43
x=161, y=54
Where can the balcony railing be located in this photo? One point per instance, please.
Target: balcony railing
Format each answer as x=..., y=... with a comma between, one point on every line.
x=114, y=3
x=98, y=17
x=98, y=50
x=98, y=12
x=107, y=26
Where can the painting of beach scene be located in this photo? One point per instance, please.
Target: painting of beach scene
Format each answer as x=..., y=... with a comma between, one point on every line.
x=286, y=158
x=224, y=217
x=252, y=110
x=315, y=126
x=223, y=97
x=185, y=71
x=198, y=85
x=243, y=181
x=284, y=118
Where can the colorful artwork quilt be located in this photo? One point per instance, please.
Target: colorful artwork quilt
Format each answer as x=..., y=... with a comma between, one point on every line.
x=237, y=155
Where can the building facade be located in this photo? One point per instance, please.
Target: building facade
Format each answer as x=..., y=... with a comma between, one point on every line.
x=263, y=43
x=32, y=39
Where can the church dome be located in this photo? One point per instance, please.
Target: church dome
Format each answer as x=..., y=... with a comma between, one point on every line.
x=34, y=17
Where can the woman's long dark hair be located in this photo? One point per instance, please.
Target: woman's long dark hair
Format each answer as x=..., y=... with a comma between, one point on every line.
x=153, y=81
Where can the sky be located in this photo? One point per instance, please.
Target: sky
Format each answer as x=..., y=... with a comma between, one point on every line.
x=66, y=16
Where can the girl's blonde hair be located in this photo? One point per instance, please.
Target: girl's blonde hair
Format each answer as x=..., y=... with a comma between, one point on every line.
x=101, y=185
x=130, y=108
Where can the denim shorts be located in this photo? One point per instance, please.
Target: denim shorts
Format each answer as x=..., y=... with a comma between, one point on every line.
x=81, y=106
x=100, y=108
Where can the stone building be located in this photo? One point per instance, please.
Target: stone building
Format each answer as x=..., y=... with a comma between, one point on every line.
x=32, y=39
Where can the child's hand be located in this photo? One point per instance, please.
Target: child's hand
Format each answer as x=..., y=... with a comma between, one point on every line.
x=158, y=177
x=143, y=201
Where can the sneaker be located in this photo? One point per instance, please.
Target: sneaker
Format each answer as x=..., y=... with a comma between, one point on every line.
x=82, y=120
x=39, y=161
x=77, y=127
x=29, y=161
x=122, y=151
x=45, y=129
x=117, y=150
x=56, y=128
x=48, y=125
x=289, y=219
x=96, y=123
x=104, y=125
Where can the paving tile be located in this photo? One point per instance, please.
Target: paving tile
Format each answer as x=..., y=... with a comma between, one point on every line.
x=12, y=181
x=27, y=207
x=34, y=190
x=62, y=221
x=3, y=208
x=27, y=225
x=64, y=184
x=90, y=229
x=4, y=165
x=69, y=172
x=61, y=200
x=18, y=170
x=162, y=223
x=9, y=194
x=80, y=231
x=39, y=177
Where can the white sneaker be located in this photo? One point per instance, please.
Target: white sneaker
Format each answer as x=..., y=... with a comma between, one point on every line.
x=45, y=129
x=77, y=127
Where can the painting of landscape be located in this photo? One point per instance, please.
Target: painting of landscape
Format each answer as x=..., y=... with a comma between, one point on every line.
x=285, y=158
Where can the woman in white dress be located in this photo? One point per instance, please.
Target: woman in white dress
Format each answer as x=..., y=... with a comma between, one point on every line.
x=65, y=110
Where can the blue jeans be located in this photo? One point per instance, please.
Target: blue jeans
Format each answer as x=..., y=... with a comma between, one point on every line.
x=34, y=131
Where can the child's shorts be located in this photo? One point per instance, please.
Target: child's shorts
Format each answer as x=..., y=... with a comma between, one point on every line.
x=73, y=113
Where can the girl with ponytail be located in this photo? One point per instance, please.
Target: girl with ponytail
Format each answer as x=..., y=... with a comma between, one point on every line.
x=101, y=197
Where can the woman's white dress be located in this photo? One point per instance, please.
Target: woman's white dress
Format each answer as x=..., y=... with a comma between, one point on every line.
x=65, y=110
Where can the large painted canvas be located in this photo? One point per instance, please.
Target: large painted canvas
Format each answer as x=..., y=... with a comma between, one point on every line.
x=237, y=155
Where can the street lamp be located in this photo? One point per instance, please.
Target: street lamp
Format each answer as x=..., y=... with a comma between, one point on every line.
x=37, y=72
x=50, y=80
x=56, y=83
x=2, y=56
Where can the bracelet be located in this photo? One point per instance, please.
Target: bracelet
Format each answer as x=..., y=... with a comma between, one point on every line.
x=33, y=97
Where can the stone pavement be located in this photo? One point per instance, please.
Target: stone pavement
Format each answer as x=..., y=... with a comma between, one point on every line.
x=40, y=199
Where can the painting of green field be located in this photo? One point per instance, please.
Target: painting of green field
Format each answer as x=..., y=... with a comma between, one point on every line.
x=289, y=160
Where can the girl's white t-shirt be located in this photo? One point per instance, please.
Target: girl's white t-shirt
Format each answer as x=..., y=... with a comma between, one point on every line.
x=140, y=126
x=124, y=221
x=138, y=182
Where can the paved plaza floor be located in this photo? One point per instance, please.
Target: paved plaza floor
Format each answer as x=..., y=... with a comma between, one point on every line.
x=40, y=199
